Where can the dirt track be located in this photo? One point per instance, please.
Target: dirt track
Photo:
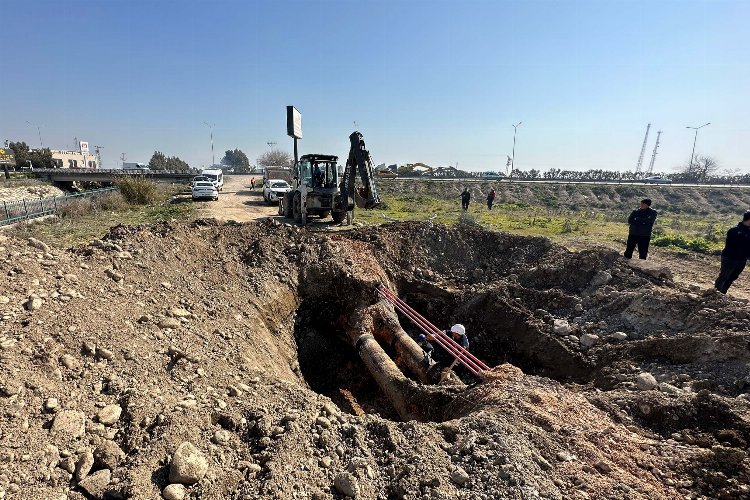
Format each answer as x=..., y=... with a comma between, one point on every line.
x=237, y=201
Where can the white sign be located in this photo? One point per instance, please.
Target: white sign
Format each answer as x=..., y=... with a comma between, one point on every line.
x=84, y=147
x=293, y=122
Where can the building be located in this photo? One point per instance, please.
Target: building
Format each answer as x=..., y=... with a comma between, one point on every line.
x=73, y=159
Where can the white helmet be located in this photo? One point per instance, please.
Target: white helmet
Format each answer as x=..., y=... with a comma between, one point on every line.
x=458, y=328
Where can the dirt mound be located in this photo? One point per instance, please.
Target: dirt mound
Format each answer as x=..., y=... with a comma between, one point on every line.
x=232, y=337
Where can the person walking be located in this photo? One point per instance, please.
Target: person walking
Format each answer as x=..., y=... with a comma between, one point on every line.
x=490, y=199
x=641, y=223
x=252, y=183
x=465, y=199
x=735, y=254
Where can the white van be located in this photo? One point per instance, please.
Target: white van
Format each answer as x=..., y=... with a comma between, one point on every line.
x=216, y=176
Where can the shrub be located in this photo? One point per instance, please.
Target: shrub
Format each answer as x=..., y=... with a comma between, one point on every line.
x=700, y=245
x=107, y=202
x=138, y=190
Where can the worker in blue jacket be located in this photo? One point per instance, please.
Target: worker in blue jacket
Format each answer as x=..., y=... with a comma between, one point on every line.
x=735, y=254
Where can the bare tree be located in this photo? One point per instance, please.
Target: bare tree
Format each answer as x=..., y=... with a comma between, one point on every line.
x=700, y=169
x=275, y=158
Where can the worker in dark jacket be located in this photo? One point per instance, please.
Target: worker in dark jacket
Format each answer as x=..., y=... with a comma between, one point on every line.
x=735, y=254
x=641, y=222
x=465, y=199
x=490, y=198
x=445, y=360
x=427, y=349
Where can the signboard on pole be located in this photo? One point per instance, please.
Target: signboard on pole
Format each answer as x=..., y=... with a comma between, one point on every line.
x=293, y=122
x=84, y=147
x=7, y=157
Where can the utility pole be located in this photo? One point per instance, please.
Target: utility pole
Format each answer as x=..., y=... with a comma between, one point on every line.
x=41, y=144
x=639, y=165
x=98, y=150
x=122, y=157
x=653, y=155
x=513, y=154
x=692, y=155
x=213, y=158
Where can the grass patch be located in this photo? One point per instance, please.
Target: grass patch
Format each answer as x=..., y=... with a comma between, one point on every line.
x=138, y=190
x=680, y=242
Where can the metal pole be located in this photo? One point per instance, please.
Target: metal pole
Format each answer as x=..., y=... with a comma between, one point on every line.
x=7, y=214
x=692, y=155
x=513, y=154
x=296, y=154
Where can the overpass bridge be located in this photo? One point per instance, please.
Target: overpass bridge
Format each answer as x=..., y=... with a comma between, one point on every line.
x=110, y=175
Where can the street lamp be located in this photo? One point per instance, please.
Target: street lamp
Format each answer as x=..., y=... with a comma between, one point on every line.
x=39, y=131
x=213, y=158
x=513, y=154
x=692, y=155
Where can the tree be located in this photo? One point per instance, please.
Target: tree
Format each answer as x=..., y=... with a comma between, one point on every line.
x=159, y=161
x=23, y=154
x=275, y=158
x=236, y=159
x=700, y=169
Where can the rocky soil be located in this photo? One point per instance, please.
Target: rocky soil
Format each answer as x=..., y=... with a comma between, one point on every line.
x=209, y=360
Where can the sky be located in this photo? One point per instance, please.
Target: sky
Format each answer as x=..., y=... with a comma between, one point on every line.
x=438, y=82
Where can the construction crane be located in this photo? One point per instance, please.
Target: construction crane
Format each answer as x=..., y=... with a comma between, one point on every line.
x=643, y=151
x=653, y=155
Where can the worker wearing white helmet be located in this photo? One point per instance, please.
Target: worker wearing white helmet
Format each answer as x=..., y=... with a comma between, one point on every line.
x=443, y=358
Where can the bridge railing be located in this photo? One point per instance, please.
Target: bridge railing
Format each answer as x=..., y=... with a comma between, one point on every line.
x=32, y=208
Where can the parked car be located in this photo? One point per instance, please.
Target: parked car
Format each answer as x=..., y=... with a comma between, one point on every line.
x=273, y=189
x=199, y=178
x=205, y=189
x=657, y=180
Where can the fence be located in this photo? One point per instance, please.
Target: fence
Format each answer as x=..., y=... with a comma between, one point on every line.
x=16, y=211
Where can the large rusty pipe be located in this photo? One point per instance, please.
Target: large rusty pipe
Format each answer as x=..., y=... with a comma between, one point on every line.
x=397, y=388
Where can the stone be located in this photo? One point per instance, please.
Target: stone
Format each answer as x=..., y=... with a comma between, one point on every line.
x=69, y=361
x=221, y=437
x=172, y=323
x=33, y=303
x=588, y=340
x=603, y=467
x=459, y=476
x=84, y=464
x=114, y=275
x=4, y=300
x=51, y=404
x=346, y=484
x=178, y=312
x=669, y=389
x=562, y=327
x=108, y=455
x=618, y=336
x=96, y=483
x=69, y=423
x=323, y=422
x=601, y=278
x=564, y=456
x=39, y=245
x=174, y=492
x=104, y=353
x=189, y=464
x=645, y=381
x=109, y=415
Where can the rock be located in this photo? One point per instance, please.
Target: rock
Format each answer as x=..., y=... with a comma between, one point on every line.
x=69, y=423
x=651, y=268
x=564, y=456
x=39, y=245
x=588, y=340
x=67, y=464
x=618, y=336
x=104, y=353
x=114, y=275
x=601, y=278
x=96, y=483
x=33, y=303
x=69, y=361
x=4, y=300
x=51, y=404
x=109, y=415
x=178, y=312
x=172, y=323
x=84, y=464
x=221, y=437
x=669, y=389
x=108, y=455
x=189, y=464
x=323, y=422
x=346, y=484
x=174, y=492
x=603, y=467
x=562, y=327
x=144, y=318
x=645, y=381
x=459, y=476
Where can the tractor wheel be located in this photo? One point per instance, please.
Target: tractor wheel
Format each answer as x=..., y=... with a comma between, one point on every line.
x=338, y=217
x=288, y=205
x=325, y=214
x=280, y=201
x=297, y=207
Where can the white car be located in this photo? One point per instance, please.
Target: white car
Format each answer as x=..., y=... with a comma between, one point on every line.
x=657, y=180
x=274, y=188
x=205, y=189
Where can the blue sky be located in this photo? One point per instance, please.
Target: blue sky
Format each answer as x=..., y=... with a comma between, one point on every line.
x=439, y=82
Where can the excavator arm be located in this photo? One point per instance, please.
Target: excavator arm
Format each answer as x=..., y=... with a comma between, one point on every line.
x=359, y=160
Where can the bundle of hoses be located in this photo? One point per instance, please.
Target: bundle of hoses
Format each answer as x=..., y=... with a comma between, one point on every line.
x=471, y=362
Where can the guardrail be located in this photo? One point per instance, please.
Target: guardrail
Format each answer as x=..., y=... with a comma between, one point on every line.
x=32, y=208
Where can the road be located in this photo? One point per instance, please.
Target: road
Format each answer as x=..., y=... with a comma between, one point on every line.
x=237, y=201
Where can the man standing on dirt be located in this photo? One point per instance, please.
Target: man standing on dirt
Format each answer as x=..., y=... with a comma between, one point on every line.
x=252, y=183
x=444, y=360
x=465, y=199
x=490, y=199
x=735, y=254
x=641, y=223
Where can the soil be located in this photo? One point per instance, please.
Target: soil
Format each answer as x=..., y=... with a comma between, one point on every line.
x=610, y=378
